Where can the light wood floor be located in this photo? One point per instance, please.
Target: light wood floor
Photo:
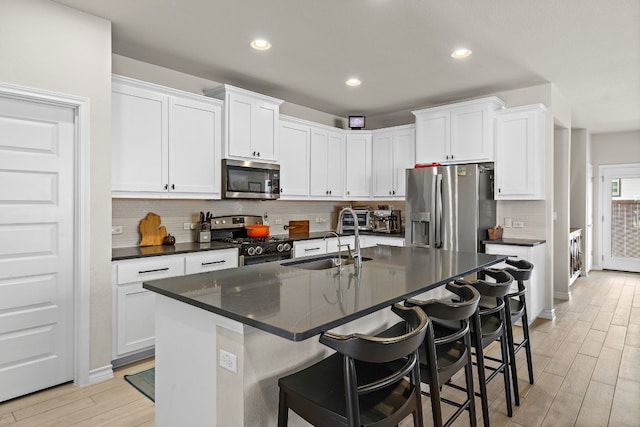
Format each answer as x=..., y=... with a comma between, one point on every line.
x=586, y=363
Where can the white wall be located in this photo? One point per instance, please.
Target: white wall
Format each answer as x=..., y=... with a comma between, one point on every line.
x=48, y=46
x=609, y=149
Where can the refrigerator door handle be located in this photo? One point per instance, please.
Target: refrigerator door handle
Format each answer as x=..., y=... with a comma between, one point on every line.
x=439, y=212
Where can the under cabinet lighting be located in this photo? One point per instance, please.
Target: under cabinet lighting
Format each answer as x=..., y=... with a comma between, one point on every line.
x=260, y=44
x=461, y=53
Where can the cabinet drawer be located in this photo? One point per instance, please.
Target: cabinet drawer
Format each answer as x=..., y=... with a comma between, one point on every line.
x=309, y=247
x=150, y=269
x=211, y=260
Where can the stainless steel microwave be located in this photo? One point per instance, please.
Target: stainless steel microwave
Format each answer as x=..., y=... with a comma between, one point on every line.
x=365, y=220
x=250, y=180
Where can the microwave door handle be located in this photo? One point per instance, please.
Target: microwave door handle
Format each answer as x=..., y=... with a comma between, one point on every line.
x=439, y=212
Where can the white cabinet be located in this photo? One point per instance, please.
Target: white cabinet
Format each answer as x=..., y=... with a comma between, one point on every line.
x=294, y=159
x=520, y=150
x=309, y=247
x=358, y=165
x=392, y=153
x=327, y=163
x=165, y=143
x=332, y=244
x=536, y=286
x=456, y=133
x=134, y=307
x=250, y=124
x=369, y=240
x=201, y=262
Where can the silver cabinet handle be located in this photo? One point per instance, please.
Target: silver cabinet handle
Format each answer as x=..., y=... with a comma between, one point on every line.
x=214, y=262
x=311, y=249
x=155, y=270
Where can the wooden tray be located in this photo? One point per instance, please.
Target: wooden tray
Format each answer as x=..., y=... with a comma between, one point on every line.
x=151, y=232
x=297, y=227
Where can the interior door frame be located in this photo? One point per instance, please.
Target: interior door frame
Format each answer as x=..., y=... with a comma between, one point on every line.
x=82, y=217
x=605, y=172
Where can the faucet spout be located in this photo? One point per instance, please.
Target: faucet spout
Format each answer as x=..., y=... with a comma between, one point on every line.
x=355, y=255
x=338, y=262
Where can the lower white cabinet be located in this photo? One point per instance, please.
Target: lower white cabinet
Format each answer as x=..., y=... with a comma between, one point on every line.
x=381, y=240
x=134, y=307
x=535, y=286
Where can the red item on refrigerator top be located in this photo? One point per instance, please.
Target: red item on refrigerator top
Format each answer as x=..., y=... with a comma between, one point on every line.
x=427, y=165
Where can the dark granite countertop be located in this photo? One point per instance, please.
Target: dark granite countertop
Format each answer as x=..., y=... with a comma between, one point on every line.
x=514, y=242
x=118, y=254
x=132, y=252
x=297, y=304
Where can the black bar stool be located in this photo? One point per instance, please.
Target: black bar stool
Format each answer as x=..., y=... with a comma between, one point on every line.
x=447, y=350
x=355, y=386
x=490, y=325
x=516, y=309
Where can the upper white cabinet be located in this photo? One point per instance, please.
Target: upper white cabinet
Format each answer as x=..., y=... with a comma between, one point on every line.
x=392, y=153
x=250, y=124
x=520, y=141
x=358, y=165
x=294, y=159
x=456, y=133
x=327, y=163
x=165, y=143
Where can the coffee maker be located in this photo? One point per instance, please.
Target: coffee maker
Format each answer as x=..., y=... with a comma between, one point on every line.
x=387, y=220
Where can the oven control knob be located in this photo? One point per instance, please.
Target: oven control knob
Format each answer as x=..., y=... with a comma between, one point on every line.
x=287, y=247
x=280, y=247
x=251, y=251
x=258, y=250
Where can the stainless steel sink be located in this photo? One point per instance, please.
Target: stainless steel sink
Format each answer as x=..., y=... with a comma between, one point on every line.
x=321, y=263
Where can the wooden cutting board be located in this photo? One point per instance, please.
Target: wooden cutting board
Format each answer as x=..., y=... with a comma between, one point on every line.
x=298, y=227
x=151, y=232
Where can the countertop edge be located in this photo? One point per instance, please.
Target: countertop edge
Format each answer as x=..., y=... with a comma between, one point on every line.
x=514, y=242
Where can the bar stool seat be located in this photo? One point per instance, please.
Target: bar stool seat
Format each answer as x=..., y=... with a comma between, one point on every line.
x=354, y=386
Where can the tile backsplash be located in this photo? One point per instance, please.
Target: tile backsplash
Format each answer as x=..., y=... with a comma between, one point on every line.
x=530, y=213
x=322, y=215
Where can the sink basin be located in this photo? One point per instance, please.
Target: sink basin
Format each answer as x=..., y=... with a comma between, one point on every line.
x=321, y=263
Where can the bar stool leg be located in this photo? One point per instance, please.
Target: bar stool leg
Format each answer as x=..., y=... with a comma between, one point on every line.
x=512, y=351
x=482, y=379
x=527, y=345
x=507, y=379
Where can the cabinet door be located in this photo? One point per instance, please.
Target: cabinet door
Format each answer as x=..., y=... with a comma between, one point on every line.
x=139, y=139
x=264, y=137
x=519, y=168
x=358, y=166
x=318, y=162
x=470, y=136
x=403, y=158
x=194, y=156
x=294, y=159
x=240, y=115
x=432, y=137
x=382, y=164
x=335, y=164
x=135, y=318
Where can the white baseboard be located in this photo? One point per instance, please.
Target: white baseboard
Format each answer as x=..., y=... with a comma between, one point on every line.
x=565, y=296
x=548, y=314
x=100, y=374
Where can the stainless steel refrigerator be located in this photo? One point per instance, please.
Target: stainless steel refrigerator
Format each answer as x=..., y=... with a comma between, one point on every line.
x=450, y=207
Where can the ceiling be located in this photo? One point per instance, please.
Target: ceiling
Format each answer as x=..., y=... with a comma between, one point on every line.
x=400, y=49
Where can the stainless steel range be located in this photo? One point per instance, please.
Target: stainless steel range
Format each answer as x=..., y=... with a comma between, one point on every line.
x=252, y=250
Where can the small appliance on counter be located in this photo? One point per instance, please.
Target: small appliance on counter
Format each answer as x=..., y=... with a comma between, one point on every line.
x=365, y=219
x=387, y=220
x=203, y=229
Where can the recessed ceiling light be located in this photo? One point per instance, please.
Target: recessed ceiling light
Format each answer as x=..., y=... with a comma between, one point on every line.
x=260, y=44
x=461, y=53
x=353, y=81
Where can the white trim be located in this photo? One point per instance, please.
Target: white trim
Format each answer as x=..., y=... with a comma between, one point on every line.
x=100, y=374
x=82, y=214
x=565, y=296
x=548, y=314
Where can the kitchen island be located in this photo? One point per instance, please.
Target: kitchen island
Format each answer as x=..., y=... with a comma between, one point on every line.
x=256, y=320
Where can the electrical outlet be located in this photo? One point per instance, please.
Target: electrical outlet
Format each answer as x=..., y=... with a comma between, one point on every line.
x=518, y=224
x=278, y=221
x=228, y=361
x=116, y=229
x=507, y=223
x=189, y=226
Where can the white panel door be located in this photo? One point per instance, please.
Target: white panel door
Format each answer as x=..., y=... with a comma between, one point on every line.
x=239, y=132
x=382, y=164
x=318, y=163
x=36, y=246
x=404, y=143
x=335, y=164
x=294, y=159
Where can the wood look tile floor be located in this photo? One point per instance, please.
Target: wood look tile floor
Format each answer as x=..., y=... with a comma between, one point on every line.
x=586, y=368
